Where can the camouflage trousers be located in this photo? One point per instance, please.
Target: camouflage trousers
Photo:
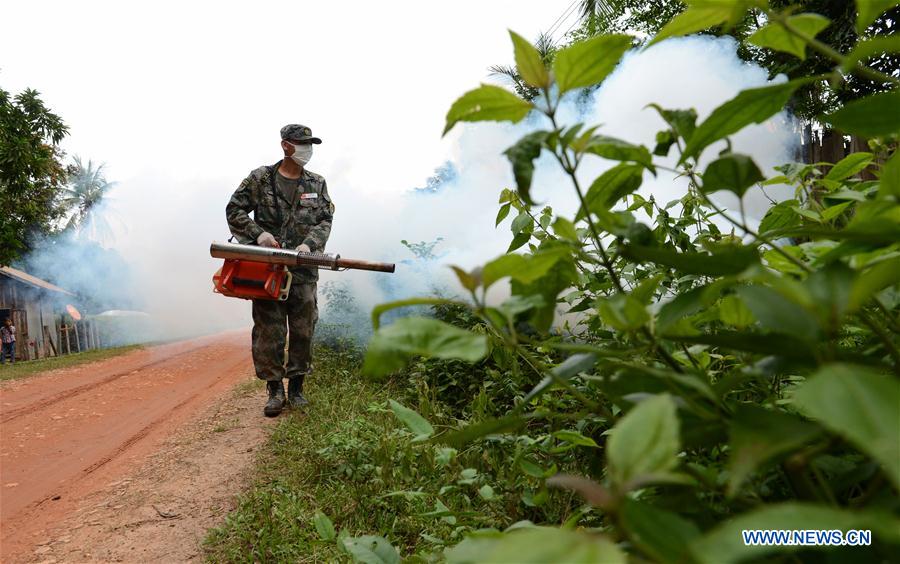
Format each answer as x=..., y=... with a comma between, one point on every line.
x=292, y=320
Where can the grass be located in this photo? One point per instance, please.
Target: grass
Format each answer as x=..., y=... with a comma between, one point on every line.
x=273, y=520
x=349, y=459
x=30, y=368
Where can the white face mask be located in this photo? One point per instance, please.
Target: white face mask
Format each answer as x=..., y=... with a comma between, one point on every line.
x=302, y=153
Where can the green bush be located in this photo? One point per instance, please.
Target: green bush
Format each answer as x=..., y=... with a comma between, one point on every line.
x=712, y=381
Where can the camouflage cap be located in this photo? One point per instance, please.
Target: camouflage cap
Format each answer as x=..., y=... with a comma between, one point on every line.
x=298, y=133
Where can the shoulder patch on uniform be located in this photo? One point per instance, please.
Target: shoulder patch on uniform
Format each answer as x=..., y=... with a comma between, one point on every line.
x=260, y=172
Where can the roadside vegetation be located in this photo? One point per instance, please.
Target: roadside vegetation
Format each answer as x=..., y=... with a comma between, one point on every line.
x=715, y=373
x=23, y=369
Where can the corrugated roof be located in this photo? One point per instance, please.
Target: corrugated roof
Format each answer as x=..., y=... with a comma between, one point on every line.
x=26, y=278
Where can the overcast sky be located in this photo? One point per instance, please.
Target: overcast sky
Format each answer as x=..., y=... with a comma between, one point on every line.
x=200, y=89
x=182, y=100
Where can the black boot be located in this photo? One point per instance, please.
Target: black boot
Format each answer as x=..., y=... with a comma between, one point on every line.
x=276, y=399
x=295, y=396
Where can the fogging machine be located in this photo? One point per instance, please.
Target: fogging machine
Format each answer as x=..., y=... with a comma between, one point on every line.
x=261, y=273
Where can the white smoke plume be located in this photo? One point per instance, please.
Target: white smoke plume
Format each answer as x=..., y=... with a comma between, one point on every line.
x=171, y=221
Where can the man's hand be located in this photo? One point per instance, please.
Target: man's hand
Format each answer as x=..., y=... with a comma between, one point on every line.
x=266, y=239
x=304, y=248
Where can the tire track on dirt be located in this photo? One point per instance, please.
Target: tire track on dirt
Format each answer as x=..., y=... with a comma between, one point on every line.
x=46, y=402
x=64, y=444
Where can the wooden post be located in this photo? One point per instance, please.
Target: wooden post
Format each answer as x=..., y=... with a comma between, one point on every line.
x=51, y=347
x=77, y=340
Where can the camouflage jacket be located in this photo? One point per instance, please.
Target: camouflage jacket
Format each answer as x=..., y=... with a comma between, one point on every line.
x=307, y=220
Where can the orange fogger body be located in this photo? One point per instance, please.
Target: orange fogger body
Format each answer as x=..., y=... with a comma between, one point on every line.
x=252, y=280
x=261, y=273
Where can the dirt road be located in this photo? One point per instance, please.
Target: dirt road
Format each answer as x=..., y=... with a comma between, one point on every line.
x=70, y=434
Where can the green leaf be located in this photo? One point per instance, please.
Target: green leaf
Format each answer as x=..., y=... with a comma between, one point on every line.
x=869, y=10
x=575, y=438
x=733, y=172
x=870, y=47
x=732, y=261
x=699, y=16
x=532, y=468
x=733, y=312
x=588, y=62
x=524, y=268
x=565, y=229
x=759, y=435
x=371, y=549
x=661, y=534
x=483, y=428
x=502, y=213
x=563, y=372
x=724, y=544
x=859, y=405
x=849, y=165
x=535, y=544
x=647, y=289
x=872, y=116
x=378, y=310
x=777, y=313
x=520, y=223
x=416, y=423
x=683, y=122
x=528, y=62
x=486, y=492
x=515, y=305
x=563, y=275
x=467, y=280
x=750, y=106
x=890, y=177
x=808, y=214
x=645, y=441
x=872, y=281
x=392, y=346
x=830, y=289
x=688, y=303
x=623, y=312
x=610, y=187
x=324, y=526
x=775, y=36
x=522, y=156
x=487, y=103
x=771, y=344
x=780, y=216
x=518, y=241
x=618, y=150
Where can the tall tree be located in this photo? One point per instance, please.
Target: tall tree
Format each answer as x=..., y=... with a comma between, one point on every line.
x=647, y=17
x=31, y=172
x=87, y=188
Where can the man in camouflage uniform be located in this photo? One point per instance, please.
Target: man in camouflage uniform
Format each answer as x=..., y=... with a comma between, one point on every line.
x=292, y=210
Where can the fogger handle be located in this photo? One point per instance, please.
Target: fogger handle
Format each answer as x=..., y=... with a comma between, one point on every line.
x=292, y=258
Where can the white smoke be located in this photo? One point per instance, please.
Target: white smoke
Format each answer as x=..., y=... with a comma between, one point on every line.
x=171, y=221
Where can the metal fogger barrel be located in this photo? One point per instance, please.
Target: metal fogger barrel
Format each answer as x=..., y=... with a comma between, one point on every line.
x=253, y=272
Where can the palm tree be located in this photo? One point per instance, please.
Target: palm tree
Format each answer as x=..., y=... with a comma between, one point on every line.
x=86, y=190
x=594, y=17
x=599, y=15
x=546, y=48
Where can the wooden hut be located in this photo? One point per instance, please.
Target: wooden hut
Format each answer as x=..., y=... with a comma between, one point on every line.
x=34, y=305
